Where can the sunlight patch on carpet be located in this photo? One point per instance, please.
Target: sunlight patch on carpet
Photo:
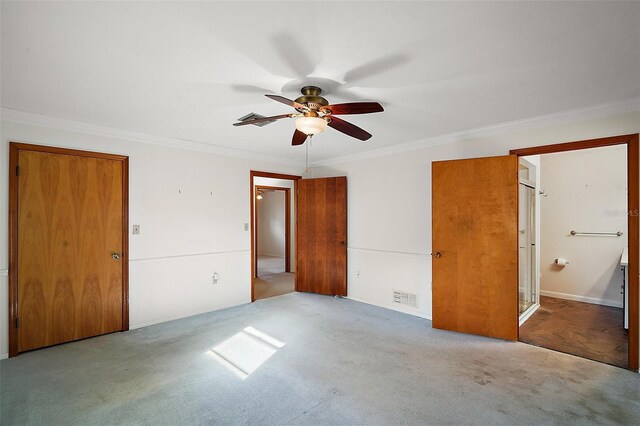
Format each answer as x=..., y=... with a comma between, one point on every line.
x=244, y=352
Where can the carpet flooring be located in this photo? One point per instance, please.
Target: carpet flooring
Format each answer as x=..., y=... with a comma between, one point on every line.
x=274, y=285
x=268, y=265
x=590, y=331
x=328, y=361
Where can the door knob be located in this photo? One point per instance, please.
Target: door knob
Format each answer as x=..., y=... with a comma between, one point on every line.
x=115, y=256
x=437, y=254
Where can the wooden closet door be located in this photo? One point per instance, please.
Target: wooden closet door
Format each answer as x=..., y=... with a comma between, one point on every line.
x=70, y=232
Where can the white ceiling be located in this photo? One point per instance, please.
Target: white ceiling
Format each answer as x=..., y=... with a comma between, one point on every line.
x=188, y=69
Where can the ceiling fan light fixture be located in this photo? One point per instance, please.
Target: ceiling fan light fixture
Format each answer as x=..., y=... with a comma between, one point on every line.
x=314, y=114
x=311, y=125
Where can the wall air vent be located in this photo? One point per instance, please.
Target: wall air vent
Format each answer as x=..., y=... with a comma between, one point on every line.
x=252, y=116
x=403, y=298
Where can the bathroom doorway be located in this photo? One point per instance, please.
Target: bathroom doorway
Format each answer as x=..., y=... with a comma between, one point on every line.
x=577, y=225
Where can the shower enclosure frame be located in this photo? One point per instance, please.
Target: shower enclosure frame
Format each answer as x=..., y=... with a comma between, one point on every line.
x=533, y=219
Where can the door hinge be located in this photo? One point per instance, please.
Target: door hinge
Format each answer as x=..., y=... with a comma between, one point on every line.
x=17, y=170
x=17, y=322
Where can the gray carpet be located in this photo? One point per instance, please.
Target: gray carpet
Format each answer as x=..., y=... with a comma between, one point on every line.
x=343, y=362
x=268, y=265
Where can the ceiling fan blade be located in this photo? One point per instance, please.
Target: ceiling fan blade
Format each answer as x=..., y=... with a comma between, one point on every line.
x=248, y=88
x=294, y=53
x=349, y=129
x=263, y=119
x=286, y=101
x=375, y=67
x=298, y=138
x=354, y=108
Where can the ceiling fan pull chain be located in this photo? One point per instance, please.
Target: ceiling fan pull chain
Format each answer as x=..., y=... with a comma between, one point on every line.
x=306, y=155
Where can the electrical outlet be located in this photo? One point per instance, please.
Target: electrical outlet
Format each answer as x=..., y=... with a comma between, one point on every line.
x=246, y=226
x=136, y=230
x=214, y=279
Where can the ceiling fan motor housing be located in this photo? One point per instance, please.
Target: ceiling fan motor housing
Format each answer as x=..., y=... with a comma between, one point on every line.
x=311, y=98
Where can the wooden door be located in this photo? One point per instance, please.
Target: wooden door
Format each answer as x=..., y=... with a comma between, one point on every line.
x=475, y=246
x=70, y=217
x=321, y=238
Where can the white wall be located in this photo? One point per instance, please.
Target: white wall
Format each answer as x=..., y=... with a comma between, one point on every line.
x=586, y=191
x=284, y=183
x=389, y=202
x=389, y=214
x=192, y=207
x=271, y=224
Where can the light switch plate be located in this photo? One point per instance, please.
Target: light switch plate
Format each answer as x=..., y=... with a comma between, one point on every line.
x=246, y=226
x=136, y=229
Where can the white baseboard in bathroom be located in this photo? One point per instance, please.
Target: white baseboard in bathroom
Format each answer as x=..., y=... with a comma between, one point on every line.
x=585, y=299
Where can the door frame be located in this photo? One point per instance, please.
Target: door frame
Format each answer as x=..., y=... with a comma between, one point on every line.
x=287, y=225
x=633, y=208
x=14, y=152
x=253, y=174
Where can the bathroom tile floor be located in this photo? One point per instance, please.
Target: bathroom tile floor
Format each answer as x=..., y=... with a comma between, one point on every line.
x=590, y=331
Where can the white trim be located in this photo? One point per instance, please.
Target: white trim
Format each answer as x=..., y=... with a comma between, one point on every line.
x=4, y=272
x=26, y=117
x=391, y=308
x=631, y=105
x=577, y=298
x=4, y=356
x=527, y=314
x=191, y=314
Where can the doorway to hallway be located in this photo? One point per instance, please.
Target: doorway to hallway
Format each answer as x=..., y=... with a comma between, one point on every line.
x=273, y=212
x=273, y=203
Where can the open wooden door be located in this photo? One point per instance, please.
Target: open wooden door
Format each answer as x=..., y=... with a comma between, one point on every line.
x=321, y=237
x=475, y=246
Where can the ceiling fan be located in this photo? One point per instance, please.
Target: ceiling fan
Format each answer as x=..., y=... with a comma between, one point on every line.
x=314, y=114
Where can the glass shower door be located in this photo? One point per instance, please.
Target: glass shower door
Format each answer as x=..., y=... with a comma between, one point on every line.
x=526, y=243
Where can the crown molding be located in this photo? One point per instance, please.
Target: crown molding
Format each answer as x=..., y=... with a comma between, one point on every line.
x=604, y=110
x=25, y=117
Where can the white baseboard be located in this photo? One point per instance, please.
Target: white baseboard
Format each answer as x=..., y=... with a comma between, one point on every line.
x=577, y=298
x=4, y=356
